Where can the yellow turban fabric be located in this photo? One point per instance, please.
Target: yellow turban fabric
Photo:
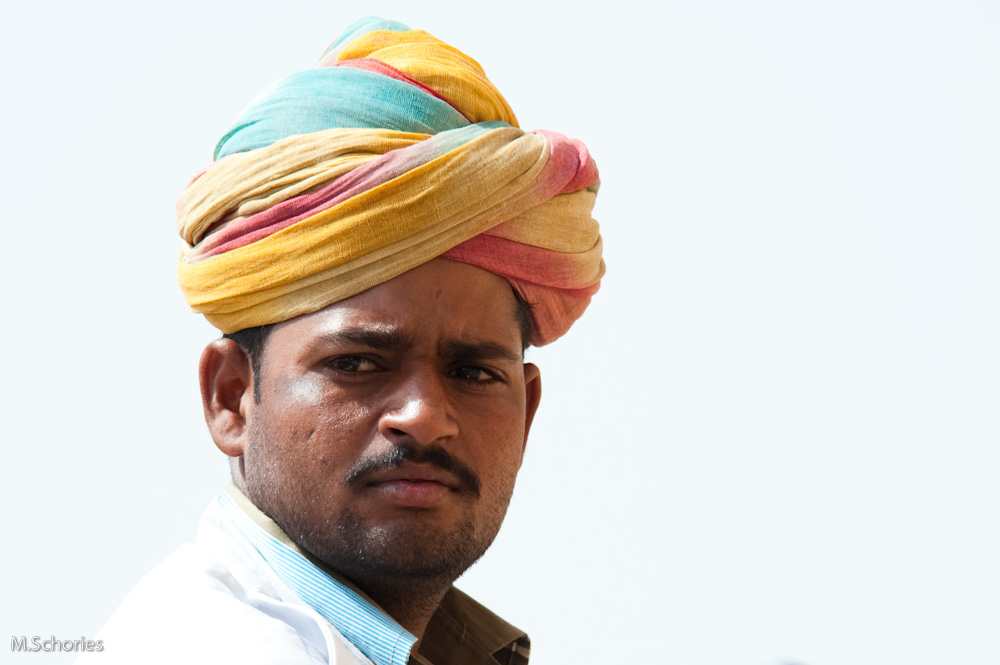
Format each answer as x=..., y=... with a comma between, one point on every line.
x=393, y=150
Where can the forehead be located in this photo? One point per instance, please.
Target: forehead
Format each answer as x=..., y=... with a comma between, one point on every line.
x=441, y=301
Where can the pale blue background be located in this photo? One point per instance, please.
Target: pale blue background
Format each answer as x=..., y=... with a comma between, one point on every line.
x=774, y=437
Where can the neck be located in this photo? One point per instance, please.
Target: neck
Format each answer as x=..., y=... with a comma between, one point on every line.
x=410, y=602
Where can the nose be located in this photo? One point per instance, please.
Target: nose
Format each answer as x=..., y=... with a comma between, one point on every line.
x=419, y=410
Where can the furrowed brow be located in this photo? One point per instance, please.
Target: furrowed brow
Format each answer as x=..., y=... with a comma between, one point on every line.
x=473, y=351
x=382, y=339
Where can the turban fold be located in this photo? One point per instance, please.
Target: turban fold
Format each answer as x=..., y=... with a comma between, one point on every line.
x=393, y=150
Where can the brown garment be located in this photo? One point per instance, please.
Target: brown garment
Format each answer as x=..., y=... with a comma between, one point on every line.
x=463, y=632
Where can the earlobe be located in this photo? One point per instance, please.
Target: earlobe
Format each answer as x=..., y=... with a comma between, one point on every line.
x=226, y=376
x=532, y=396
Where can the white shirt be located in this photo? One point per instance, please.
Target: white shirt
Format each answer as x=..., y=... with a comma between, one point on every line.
x=217, y=601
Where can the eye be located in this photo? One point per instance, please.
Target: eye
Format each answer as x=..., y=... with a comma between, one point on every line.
x=476, y=374
x=353, y=364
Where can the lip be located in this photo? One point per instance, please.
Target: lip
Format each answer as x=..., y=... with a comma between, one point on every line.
x=415, y=473
x=414, y=485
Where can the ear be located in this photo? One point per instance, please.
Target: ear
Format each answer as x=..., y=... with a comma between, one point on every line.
x=226, y=376
x=532, y=396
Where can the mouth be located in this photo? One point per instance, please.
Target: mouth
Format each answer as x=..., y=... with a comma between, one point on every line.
x=415, y=465
x=416, y=473
x=414, y=485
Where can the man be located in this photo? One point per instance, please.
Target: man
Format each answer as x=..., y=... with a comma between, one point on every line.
x=379, y=243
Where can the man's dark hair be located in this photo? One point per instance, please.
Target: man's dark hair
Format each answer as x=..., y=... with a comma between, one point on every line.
x=252, y=340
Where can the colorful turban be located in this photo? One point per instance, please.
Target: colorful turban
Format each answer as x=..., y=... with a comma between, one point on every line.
x=393, y=150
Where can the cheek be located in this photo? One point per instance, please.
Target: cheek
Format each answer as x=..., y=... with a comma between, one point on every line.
x=501, y=445
x=304, y=391
x=306, y=425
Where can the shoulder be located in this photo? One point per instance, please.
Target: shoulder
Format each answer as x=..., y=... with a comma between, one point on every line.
x=192, y=609
x=217, y=601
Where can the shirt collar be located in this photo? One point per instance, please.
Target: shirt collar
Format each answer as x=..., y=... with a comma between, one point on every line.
x=461, y=631
x=357, y=618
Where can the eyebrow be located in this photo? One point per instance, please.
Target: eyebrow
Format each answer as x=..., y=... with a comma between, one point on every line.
x=383, y=339
x=391, y=339
x=473, y=351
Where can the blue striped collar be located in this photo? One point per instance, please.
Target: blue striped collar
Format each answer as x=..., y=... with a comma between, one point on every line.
x=367, y=627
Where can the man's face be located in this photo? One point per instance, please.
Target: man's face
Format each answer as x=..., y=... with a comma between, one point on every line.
x=391, y=425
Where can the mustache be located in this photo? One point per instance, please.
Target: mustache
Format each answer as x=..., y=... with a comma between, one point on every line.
x=402, y=453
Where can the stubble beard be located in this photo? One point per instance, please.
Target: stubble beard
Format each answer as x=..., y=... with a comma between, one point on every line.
x=403, y=557
x=401, y=554
x=406, y=567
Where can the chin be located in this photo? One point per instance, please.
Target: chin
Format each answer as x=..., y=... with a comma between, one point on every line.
x=401, y=550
